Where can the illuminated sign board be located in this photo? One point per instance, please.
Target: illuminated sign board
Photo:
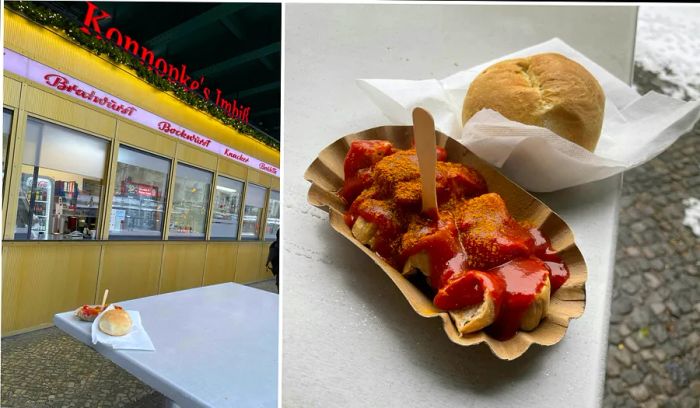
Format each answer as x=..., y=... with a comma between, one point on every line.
x=47, y=76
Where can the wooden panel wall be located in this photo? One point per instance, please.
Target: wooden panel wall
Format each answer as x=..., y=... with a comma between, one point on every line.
x=40, y=280
x=248, y=262
x=259, y=178
x=10, y=91
x=130, y=270
x=230, y=169
x=197, y=157
x=183, y=265
x=53, y=107
x=221, y=263
x=145, y=139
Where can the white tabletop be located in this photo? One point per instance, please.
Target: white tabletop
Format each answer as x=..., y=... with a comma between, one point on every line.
x=216, y=346
x=350, y=339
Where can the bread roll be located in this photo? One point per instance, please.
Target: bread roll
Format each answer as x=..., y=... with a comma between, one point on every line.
x=115, y=322
x=547, y=90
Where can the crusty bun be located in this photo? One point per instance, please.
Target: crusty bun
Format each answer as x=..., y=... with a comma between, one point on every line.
x=547, y=90
x=115, y=322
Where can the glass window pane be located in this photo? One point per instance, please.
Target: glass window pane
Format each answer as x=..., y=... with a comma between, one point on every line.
x=272, y=224
x=252, y=211
x=139, y=195
x=58, y=148
x=227, y=207
x=59, y=197
x=188, y=216
x=6, y=126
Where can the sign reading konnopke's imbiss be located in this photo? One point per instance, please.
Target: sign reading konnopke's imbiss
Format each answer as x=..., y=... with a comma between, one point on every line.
x=47, y=76
x=175, y=74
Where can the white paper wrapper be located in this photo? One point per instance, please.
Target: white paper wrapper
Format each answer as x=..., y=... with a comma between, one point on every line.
x=137, y=339
x=635, y=128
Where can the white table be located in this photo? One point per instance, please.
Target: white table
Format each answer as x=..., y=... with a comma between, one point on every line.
x=350, y=339
x=216, y=346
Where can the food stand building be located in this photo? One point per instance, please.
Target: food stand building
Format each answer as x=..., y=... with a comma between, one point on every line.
x=112, y=183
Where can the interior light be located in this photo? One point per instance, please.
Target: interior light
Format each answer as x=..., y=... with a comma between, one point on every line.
x=228, y=190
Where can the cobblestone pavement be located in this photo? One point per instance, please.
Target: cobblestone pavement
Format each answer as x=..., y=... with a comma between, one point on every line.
x=47, y=368
x=654, y=342
x=268, y=285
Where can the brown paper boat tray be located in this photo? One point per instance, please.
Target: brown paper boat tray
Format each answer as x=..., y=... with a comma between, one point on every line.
x=326, y=177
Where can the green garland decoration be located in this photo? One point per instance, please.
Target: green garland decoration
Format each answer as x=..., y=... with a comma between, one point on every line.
x=46, y=17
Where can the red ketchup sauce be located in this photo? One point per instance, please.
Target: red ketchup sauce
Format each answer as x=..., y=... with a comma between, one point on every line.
x=464, y=289
x=439, y=240
x=389, y=221
x=362, y=155
x=473, y=244
x=558, y=272
x=523, y=278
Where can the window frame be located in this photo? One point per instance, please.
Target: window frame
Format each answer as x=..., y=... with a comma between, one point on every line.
x=11, y=222
x=208, y=202
x=244, y=187
x=15, y=149
x=10, y=140
x=166, y=193
x=270, y=190
x=258, y=237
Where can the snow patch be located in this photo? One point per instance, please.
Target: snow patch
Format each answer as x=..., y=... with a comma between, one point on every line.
x=668, y=44
x=692, y=214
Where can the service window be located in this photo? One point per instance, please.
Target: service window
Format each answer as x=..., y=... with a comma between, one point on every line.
x=272, y=224
x=252, y=212
x=139, y=195
x=188, y=216
x=227, y=207
x=61, y=183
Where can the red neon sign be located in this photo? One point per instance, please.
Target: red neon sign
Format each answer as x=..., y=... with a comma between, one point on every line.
x=176, y=74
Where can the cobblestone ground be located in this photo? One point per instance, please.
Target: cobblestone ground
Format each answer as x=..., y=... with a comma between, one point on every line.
x=47, y=368
x=654, y=343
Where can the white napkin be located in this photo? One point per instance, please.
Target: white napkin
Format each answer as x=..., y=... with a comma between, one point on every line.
x=136, y=339
x=635, y=128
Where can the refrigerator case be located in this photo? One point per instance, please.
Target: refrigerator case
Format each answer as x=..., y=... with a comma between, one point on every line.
x=43, y=227
x=40, y=220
